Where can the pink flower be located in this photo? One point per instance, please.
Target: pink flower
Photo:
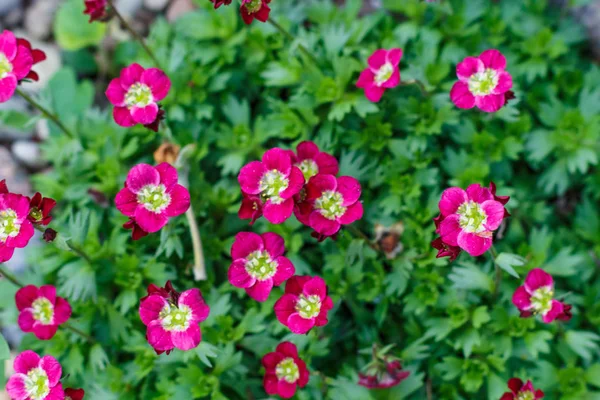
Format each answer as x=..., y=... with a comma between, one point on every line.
x=520, y=391
x=74, y=394
x=258, y=263
x=304, y=304
x=312, y=161
x=172, y=318
x=536, y=297
x=151, y=196
x=382, y=73
x=136, y=93
x=15, y=228
x=251, y=9
x=383, y=376
x=39, y=209
x=276, y=181
x=35, y=378
x=219, y=3
x=468, y=219
x=483, y=82
x=96, y=9
x=333, y=202
x=251, y=208
x=445, y=250
x=284, y=371
x=15, y=63
x=37, y=56
x=41, y=311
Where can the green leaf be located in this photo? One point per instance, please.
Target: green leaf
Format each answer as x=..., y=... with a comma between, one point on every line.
x=72, y=29
x=4, y=350
x=583, y=343
x=205, y=351
x=469, y=276
x=480, y=317
x=537, y=342
x=507, y=261
x=592, y=375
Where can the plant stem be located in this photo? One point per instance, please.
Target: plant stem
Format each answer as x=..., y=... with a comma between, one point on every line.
x=133, y=33
x=46, y=113
x=74, y=248
x=418, y=83
x=199, y=267
x=288, y=35
x=10, y=277
x=498, y=279
x=79, y=332
x=359, y=233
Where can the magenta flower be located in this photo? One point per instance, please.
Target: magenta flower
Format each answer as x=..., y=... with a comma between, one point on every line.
x=172, y=318
x=483, y=82
x=96, y=9
x=254, y=9
x=251, y=207
x=15, y=228
x=136, y=93
x=39, y=209
x=276, y=181
x=304, y=304
x=445, y=250
x=468, y=218
x=382, y=73
x=37, y=56
x=313, y=161
x=219, y=3
x=334, y=202
x=520, y=391
x=383, y=376
x=284, y=371
x=35, y=378
x=74, y=394
x=151, y=196
x=15, y=63
x=41, y=311
x=536, y=296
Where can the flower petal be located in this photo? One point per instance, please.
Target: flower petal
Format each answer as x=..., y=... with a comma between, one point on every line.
x=315, y=287
x=62, y=311
x=521, y=299
x=452, y=198
x=126, y=202
x=8, y=44
x=299, y=325
x=505, y=83
x=555, y=311
x=168, y=174
x=150, y=221
x=277, y=159
x=473, y=244
x=56, y=393
x=353, y=213
x=394, y=56
x=270, y=360
x=493, y=59
x=285, y=306
x=22, y=63
x=365, y=79
x=150, y=308
x=144, y=115
x=180, y=201
x=8, y=85
x=478, y=193
x=140, y=176
x=319, y=184
x=285, y=270
x=158, y=82
x=158, y=337
x=25, y=296
x=122, y=117
x=288, y=349
x=515, y=384
x=450, y=229
x=115, y=93
x=322, y=225
x=52, y=368
x=250, y=176
x=25, y=320
x=461, y=96
x=467, y=67
x=273, y=243
x=349, y=188
x=188, y=339
x=495, y=214
x=286, y=389
x=44, y=332
x=295, y=183
x=261, y=290
x=270, y=383
x=26, y=361
x=15, y=387
x=307, y=150
x=537, y=278
x=194, y=300
x=246, y=243
x=374, y=93
x=278, y=213
x=378, y=59
x=130, y=75
x=327, y=164
x=239, y=276
x=490, y=103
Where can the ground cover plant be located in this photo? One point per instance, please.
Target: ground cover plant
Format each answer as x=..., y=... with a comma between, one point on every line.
x=286, y=199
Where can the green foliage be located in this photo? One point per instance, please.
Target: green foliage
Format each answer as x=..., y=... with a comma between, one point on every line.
x=71, y=27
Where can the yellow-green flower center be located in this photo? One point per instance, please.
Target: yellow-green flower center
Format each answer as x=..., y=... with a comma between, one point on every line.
x=254, y=6
x=472, y=217
x=138, y=95
x=541, y=300
x=5, y=66
x=287, y=370
x=482, y=83
x=330, y=205
x=37, y=384
x=528, y=395
x=260, y=265
x=308, y=306
x=175, y=318
x=309, y=168
x=9, y=226
x=385, y=72
x=43, y=310
x=272, y=184
x=154, y=198
x=36, y=214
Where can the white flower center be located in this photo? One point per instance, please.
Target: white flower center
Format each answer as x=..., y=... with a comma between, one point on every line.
x=254, y=6
x=43, y=310
x=472, y=217
x=260, y=265
x=154, y=198
x=384, y=73
x=330, y=205
x=272, y=184
x=482, y=83
x=5, y=66
x=175, y=318
x=528, y=395
x=9, y=226
x=541, y=300
x=308, y=307
x=287, y=370
x=37, y=384
x=138, y=95
x=309, y=168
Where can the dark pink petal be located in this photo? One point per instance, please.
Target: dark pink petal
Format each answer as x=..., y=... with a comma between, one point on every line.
x=126, y=202
x=349, y=188
x=539, y=394
x=115, y=93
x=353, y=213
x=180, y=201
x=451, y=199
x=250, y=176
x=44, y=332
x=6, y=253
x=316, y=287
x=537, y=278
x=188, y=339
x=22, y=239
x=527, y=387
x=56, y=393
x=299, y=325
x=168, y=174
x=15, y=387
x=374, y=93
x=461, y=96
x=478, y=193
x=286, y=389
x=555, y=311
x=144, y=115
x=62, y=311
x=322, y=225
x=393, y=81
x=504, y=83
x=150, y=221
x=273, y=243
x=377, y=59
x=261, y=290
x=123, y=117
x=450, y=229
x=319, y=184
x=307, y=150
x=8, y=44
x=239, y=276
x=285, y=306
x=515, y=384
x=493, y=59
x=158, y=82
x=295, y=284
x=270, y=360
x=263, y=14
x=22, y=63
x=490, y=103
x=507, y=396
x=150, y=308
x=365, y=79
x=270, y=384
x=131, y=75
x=467, y=67
x=52, y=368
x=194, y=300
x=288, y=349
x=277, y=159
x=304, y=374
x=394, y=56
x=285, y=270
x=327, y=164
x=495, y=214
x=26, y=361
x=16, y=202
x=246, y=16
x=474, y=244
x=25, y=296
x=26, y=320
x=140, y=176
x=246, y=243
x=278, y=213
x=158, y=337
x=49, y=292
x=521, y=299
x=295, y=183
x=8, y=85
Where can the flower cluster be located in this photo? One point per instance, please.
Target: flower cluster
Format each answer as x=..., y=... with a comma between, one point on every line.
x=249, y=9
x=41, y=311
x=520, y=391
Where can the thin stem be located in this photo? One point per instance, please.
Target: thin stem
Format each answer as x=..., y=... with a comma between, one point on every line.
x=359, y=233
x=79, y=332
x=133, y=33
x=46, y=113
x=429, y=389
x=10, y=277
x=418, y=83
x=498, y=279
x=74, y=248
x=288, y=35
x=199, y=267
